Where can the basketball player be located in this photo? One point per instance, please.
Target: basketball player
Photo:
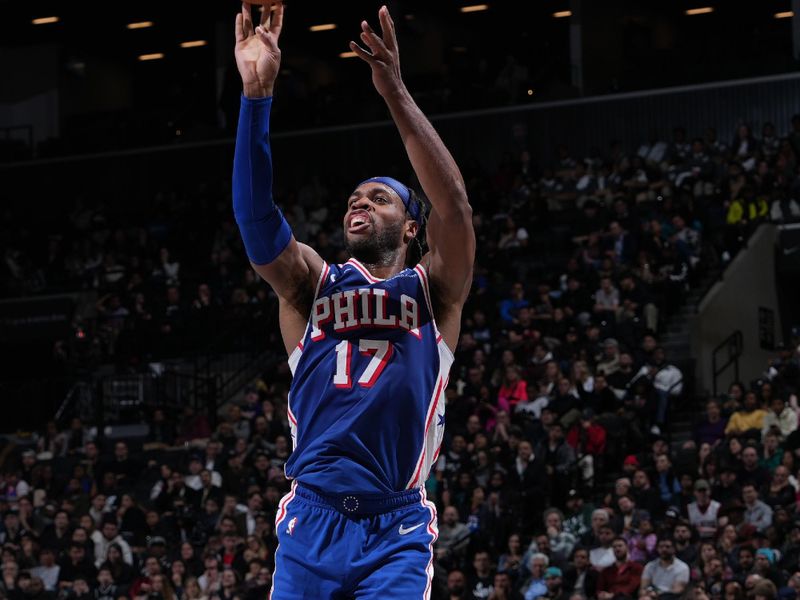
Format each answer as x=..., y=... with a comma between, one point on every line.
x=369, y=341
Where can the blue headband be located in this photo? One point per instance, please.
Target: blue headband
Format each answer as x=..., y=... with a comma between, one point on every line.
x=402, y=191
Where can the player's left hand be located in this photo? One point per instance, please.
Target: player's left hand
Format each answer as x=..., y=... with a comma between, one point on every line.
x=381, y=55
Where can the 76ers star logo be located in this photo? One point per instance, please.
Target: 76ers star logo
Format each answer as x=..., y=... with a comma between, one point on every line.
x=290, y=527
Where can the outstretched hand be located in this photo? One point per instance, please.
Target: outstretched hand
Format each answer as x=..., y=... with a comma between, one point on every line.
x=381, y=54
x=258, y=57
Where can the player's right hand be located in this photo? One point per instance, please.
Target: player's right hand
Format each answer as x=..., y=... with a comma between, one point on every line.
x=258, y=57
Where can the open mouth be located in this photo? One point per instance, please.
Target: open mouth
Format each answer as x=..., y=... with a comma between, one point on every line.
x=358, y=222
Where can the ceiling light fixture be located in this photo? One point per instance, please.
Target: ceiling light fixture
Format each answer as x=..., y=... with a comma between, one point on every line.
x=474, y=8
x=139, y=25
x=703, y=10
x=44, y=20
x=784, y=15
x=153, y=56
x=562, y=13
x=323, y=27
x=347, y=55
x=194, y=44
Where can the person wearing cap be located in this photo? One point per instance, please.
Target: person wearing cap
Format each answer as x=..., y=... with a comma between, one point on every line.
x=765, y=565
x=704, y=511
x=554, y=580
x=621, y=579
x=578, y=516
x=630, y=464
x=666, y=574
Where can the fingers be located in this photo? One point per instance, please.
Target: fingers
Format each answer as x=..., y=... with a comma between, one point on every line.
x=371, y=39
x=247, y=20
x=267, y=38
x=276, y=23
x=361, y=53
x=387, y=28
x=266, y=12
x=239, y=28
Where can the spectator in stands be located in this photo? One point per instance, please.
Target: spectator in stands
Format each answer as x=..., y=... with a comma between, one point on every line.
x=703, y=513
x=535, y=586
x=664, y=575
x=107, y=537
x=621, y=579
x=453, y=537
x=712, y=428
x=666, y=381
x=757, y=513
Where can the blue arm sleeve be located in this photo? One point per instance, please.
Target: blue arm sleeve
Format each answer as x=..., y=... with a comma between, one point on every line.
x=265, y=232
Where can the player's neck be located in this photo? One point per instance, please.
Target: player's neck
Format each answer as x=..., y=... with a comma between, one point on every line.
x=385, y=266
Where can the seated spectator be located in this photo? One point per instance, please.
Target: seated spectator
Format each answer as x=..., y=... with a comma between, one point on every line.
x=664, y=575
x=712, y=428
x=780, y=418
x=749, y=420
x=513, y=391
x=601, y=555
x=779, y=493
x=453, y=537
x=510, y=562
x=704, y=511
x=535, y=586
x=756, y=513
x=106, y=537
x=620, y=580
x=751, y=471
x=561, y=542
x=588, y=439
x=667, y=383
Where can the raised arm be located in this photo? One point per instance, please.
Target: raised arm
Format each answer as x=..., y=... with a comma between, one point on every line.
x=451, y=238
x=290, y=268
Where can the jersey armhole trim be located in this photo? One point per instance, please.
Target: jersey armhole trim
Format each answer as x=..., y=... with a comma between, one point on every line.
x=422, y=273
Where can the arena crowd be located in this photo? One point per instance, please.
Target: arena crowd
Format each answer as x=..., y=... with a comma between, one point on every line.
x=558, y=477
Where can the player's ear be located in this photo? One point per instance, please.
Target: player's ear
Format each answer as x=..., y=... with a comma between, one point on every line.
x=412, y=229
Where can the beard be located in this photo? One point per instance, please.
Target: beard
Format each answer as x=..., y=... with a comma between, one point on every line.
x=379, y=248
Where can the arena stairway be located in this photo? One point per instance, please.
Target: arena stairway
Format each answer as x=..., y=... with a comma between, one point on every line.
x=676, y=341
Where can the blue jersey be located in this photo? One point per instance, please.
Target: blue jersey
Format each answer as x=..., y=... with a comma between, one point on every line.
x=366, y=405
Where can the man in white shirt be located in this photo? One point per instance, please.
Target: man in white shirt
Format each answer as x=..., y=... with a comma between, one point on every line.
x=105, y=537
x=703, y=511
x=47, y=570
x=666, y=574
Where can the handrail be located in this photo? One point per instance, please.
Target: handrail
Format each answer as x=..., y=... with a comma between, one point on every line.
x=734, y=345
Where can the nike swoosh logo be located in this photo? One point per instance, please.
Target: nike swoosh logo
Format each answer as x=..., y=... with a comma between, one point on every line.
x=403, y=530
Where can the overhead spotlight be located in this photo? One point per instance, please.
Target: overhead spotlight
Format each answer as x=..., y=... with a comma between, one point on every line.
x=194, y=44
x=348, y=54
x=139, y=25
x=44, y=20
x=562, y=14
x=152, y=56
x=788, y=14
x=703, y=10
x=474, y=8
x=323, y=27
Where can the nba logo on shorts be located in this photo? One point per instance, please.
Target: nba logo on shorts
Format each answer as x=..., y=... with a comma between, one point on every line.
x=290, y=527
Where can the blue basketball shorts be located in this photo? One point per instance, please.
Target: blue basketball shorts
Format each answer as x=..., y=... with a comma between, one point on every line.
x=352, y=546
